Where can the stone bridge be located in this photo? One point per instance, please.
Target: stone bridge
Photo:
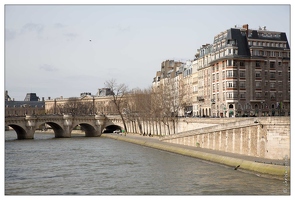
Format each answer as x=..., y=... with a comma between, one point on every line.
x=62, y=125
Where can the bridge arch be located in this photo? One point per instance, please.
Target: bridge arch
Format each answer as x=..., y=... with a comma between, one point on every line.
x=112, y=128
x=89, y=129
x=20, y=131
x=57, y=129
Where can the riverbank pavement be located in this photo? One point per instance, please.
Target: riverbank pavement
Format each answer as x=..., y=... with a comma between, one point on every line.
x=279, y=169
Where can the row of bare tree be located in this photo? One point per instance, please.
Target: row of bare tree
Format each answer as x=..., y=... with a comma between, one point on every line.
x=146, y=111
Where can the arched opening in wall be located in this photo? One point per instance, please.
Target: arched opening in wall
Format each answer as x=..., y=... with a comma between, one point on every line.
x=44, y=130
x=20, y=132
x=57, y=129
x=112, y=128
x=43, y=127
x=84, y=128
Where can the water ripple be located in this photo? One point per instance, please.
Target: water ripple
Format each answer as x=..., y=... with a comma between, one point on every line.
x=101, y=166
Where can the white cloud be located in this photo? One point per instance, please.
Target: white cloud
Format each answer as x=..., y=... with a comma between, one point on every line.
x=59, y=25
x=47, y=68
x=32, y=27
x=9, y=34
x=71, y=36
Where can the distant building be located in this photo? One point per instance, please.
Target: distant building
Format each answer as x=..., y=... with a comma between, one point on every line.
x=104, y=92
x=7, y=97
x=31, y=97
x=84, y=94
x=30, y=106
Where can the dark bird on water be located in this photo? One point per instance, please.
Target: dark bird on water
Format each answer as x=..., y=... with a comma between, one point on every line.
x=89, y=40
x=237, y=167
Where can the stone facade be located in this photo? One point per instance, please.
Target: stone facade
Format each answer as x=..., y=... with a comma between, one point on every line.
x=265, y=137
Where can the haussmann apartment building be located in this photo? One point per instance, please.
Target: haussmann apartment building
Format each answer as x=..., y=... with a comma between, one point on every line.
x=245, y=72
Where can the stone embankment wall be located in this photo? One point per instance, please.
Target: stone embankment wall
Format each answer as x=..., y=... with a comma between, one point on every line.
x=265, y=137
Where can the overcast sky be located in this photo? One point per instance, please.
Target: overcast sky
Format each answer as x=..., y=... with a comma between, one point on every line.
x=64, y=50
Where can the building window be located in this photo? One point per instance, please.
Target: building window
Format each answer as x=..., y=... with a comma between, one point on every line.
x=264, y=53
x=242, y=96
x=229, y=95
x=242, y=63
x=242, y=74
x=229, y=73
x=242, y=85
x=258, y=84
x=229, y=62
x=280, y=84
x=257, y=63
x=255, y=53
x=280, y=73
x=272, y=75
x=272, y=65
x=257, y=74
x=272, y=84
x=258, y=95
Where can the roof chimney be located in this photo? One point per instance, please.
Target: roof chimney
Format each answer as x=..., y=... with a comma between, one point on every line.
x=246, y=26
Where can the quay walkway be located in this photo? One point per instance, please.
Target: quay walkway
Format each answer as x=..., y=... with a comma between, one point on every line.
x=270, y=168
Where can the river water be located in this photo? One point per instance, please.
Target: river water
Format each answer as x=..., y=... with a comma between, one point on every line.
x=102, y=166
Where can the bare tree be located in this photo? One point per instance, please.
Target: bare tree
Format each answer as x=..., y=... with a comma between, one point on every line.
x=119, y=92
x=76, y=106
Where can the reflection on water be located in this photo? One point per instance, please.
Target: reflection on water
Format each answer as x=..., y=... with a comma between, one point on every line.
x=102, y=166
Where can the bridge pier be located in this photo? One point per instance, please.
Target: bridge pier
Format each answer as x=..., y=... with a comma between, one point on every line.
x=67, y=127
x=30, y=128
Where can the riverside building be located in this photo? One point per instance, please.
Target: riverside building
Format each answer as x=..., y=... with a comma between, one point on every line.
x=245, y=72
